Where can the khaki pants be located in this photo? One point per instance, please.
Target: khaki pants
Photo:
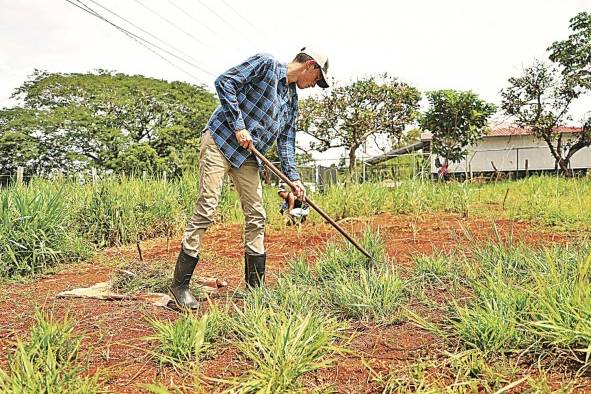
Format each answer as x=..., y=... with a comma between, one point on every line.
x=213, y=169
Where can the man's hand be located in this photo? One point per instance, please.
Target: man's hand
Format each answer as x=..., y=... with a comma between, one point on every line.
x=244, y=138
x=300, y=190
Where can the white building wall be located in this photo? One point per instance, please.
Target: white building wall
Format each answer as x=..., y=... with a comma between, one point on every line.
x=510, y=153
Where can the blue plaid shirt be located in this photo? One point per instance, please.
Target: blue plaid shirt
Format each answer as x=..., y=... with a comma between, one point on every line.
x=255, y=96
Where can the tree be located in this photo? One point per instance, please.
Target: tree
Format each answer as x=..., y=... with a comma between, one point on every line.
x=407, y=138
x=540, y=100
x=346, y=116
x=456, y=120
x=114, y=122
x=574, y=53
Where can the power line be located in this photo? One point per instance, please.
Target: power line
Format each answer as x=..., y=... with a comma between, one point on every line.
x=143, y=41
x=200, y=23
x=179, y=28
x=218, y=16
x=143, y=30
x=255, y=28
x=130, y=35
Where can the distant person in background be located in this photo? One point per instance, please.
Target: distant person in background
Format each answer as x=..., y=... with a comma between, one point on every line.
x=442, y=169
x=292, y=207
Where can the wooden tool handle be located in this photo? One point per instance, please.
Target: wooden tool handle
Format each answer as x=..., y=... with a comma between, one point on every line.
x=285, y=179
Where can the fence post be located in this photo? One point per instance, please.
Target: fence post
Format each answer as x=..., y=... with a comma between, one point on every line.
x=20, y=172
x=497, y=174
x=517, y=164
x=526, y=168
x=94, y=176
x=316, y=175
x=164, y=176
x=364, y=173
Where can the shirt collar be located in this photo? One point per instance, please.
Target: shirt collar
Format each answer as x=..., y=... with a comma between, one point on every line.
x=282, y=69
x=291, y=89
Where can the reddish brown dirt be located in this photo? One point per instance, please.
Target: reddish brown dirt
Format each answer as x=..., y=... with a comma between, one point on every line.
x=115, y=331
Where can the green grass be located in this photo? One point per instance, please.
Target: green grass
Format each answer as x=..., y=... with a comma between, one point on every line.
x=374, y=295
x=121, y=211
x=561, y=309
x=343, y=282
x=284, y=339
x=524, y=301
x=560, y=203
x=48, y=222
x=187, y=339
x=433, y=268
x=48, y=362
x=34, y=232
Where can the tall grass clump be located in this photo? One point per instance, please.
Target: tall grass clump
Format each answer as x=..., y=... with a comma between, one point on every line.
x=354, y=200
x=561, y=308
x=35, y=233
x=526, y=300
x=433, y=268
x=187, y=339
x=339, y=257
x=493, y=321
x=283, y=344
x=559, y=202
x=352, y=286
x=374, y=295
x=120, y=211
x=48, y=362
x=415, y=196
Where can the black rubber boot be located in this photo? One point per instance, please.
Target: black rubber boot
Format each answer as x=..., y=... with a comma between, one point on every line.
x=183, y=271
x=254, y=269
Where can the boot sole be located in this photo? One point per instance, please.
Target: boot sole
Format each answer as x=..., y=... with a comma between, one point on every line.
x=181, y=306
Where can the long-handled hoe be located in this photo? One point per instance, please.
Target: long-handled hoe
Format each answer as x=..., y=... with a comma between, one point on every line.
x=285, y=179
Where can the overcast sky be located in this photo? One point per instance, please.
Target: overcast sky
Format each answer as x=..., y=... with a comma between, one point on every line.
x=431, y=44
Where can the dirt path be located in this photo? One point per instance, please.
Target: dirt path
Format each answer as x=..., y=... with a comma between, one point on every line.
x=114, y=331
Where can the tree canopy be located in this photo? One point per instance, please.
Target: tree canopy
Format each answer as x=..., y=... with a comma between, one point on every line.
x=574, y=53
x=456, y=120
x=114, y=122
x=346, y=116
x=540, y=98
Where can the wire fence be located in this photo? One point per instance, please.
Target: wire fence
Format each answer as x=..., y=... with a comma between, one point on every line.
x=318, y=175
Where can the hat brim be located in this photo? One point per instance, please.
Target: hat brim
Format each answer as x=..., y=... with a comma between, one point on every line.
x=322, y=82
